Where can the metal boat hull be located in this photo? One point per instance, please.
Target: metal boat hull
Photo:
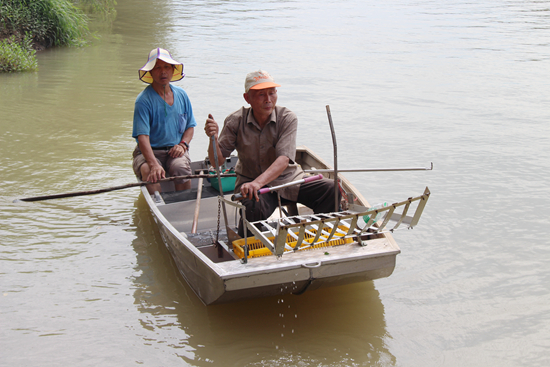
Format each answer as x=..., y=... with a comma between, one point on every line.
x=228, y=279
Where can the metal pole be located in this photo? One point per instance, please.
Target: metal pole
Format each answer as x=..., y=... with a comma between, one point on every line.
x=265, y=190
x=373, y=169
x=336, y=204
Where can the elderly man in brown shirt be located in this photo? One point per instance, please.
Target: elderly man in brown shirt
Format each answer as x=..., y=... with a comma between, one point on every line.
x=264, y=136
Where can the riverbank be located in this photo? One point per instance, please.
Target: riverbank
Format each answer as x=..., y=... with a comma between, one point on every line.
x=28, y=27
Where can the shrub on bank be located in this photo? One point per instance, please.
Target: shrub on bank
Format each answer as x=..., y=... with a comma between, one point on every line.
x=42, y=24
x=17, y=56
x=50, y=22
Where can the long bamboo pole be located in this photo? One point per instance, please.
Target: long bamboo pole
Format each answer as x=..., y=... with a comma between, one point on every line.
x=197, y=206
x=121, y=187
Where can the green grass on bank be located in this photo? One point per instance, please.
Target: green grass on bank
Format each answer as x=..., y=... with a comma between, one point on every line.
x=29, y=24
x=17, y=56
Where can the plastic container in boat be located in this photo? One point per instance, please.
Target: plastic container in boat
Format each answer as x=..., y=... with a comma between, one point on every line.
x=366, y=218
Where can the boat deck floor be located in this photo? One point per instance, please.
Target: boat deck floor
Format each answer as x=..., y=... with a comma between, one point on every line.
x=178, y=207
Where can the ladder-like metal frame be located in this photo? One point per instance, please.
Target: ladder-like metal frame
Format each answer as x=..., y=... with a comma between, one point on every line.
x=327, y=227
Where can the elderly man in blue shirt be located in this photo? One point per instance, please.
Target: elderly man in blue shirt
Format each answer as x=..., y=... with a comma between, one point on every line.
x=163, y=123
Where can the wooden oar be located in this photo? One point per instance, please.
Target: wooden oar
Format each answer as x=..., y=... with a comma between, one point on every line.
x=121, y=187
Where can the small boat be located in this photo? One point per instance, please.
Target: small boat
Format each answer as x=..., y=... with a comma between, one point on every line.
x=292, y=252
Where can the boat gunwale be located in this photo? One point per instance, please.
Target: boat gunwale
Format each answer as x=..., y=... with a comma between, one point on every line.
x=286, y=262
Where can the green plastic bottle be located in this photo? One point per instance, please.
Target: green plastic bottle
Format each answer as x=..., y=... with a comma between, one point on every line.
x=366, y=218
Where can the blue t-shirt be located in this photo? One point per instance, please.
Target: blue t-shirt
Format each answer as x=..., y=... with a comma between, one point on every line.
x=163, y=124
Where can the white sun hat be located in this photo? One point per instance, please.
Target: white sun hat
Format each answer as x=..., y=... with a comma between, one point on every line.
x=164, y=55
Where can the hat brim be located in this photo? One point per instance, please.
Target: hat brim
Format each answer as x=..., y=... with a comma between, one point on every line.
x=265, y=85
x=146, y=77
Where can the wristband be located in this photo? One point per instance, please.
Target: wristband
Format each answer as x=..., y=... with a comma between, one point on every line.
x=185, y=143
